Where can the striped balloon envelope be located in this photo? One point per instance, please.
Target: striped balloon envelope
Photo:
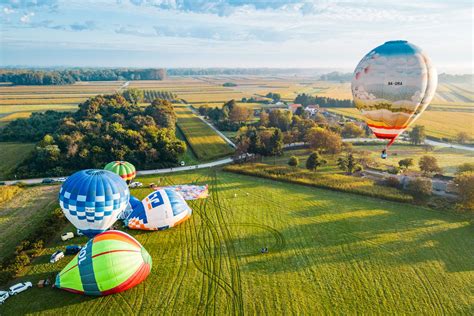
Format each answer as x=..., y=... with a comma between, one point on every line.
x=124, y=169
x=93, y=199
x=109, y=263
x=392, y=85
x=160, y=210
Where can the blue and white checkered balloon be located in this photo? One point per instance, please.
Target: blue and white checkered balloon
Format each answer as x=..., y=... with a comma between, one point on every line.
x=93, y=199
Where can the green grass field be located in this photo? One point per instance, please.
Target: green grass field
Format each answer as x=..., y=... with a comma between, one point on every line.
x=12, y=154
x=204, y=141
x=20, y=214
x=448, y=158
x=329, y=253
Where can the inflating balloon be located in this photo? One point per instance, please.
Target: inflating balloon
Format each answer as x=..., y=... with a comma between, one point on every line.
x=392, y=85
x=161, y=209
x=93, y=199
x=124, y=169
x=109, y=263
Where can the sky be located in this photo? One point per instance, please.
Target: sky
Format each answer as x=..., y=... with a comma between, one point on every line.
x=230, y=33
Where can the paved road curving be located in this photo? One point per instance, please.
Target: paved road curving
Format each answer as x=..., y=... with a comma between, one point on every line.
x=229, y=160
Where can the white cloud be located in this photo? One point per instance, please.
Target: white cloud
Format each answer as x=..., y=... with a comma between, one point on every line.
x=27, y=17
x=7, y=10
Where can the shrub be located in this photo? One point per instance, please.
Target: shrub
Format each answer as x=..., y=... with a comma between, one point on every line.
x=294, y=161
x=420, y=189
x=335, y=182
x=406, y=163
x=467, y=166
x=429, y=164
x=314, y=161
x=465, y=183
x=393, y=170
x=8, y=192
x=392, y=182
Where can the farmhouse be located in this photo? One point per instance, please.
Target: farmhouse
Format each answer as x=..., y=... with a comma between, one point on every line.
x=292, y=107
x=312, y=109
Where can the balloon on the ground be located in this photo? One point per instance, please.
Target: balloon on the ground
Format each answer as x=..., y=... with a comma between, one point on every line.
x=93, y=199
x=122, y=168
x=109, y=263
x=161, y=209
x=189, y=192
x=392, y=85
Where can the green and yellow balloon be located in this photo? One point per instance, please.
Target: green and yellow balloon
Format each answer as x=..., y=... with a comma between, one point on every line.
x=122, y=168
x=109, y=263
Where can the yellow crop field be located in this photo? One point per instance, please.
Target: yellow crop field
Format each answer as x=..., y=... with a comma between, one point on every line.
x=440, y=124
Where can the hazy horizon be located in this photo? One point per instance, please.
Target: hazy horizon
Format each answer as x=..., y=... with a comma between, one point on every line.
x=229, y=34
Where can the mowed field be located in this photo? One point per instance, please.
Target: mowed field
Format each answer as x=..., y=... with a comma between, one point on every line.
x=329, y=253
x=12, y=154
x=19, y=215
x=21, y=101
x=205, y=143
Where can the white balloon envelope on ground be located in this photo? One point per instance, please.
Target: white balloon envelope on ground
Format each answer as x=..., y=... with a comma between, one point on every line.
x=160, y=210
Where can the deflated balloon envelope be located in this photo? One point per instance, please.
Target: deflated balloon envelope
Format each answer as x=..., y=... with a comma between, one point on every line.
x=161, y=209
x=93, y=199
x=109, y=263
x=392, y=85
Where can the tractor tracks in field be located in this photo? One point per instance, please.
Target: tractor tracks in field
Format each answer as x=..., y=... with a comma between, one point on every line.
x=227, y=238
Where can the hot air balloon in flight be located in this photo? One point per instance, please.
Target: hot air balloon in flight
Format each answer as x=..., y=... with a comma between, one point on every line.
x=109, y=263
x=161, y=209
x=124, y=169
x=392, y=85
x=93, y=199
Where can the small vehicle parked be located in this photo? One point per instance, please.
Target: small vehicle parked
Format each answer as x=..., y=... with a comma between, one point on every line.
x=55, y=257
x=136, y=185
x=67, y=236
x=20, y=287
x=2, y=182
x=44, y=283
x=47, y=181
x=3, y=296
x=61, y=179
x=73, y=249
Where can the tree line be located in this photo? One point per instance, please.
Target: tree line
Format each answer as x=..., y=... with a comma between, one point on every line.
x=103, y=129
x=70, y=76
x=325, y=102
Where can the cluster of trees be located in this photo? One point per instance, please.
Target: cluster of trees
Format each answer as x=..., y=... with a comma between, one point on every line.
x=325, y=102
x=230, y=117
x=229, y=84
x=69, y=76
x=236, y=71
x=107, y=128
x=150, y=95
x=313, y=162
x=417, y=135
x=256, y=100
x=33, y=128
x=276, y=97
x=260, y=141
